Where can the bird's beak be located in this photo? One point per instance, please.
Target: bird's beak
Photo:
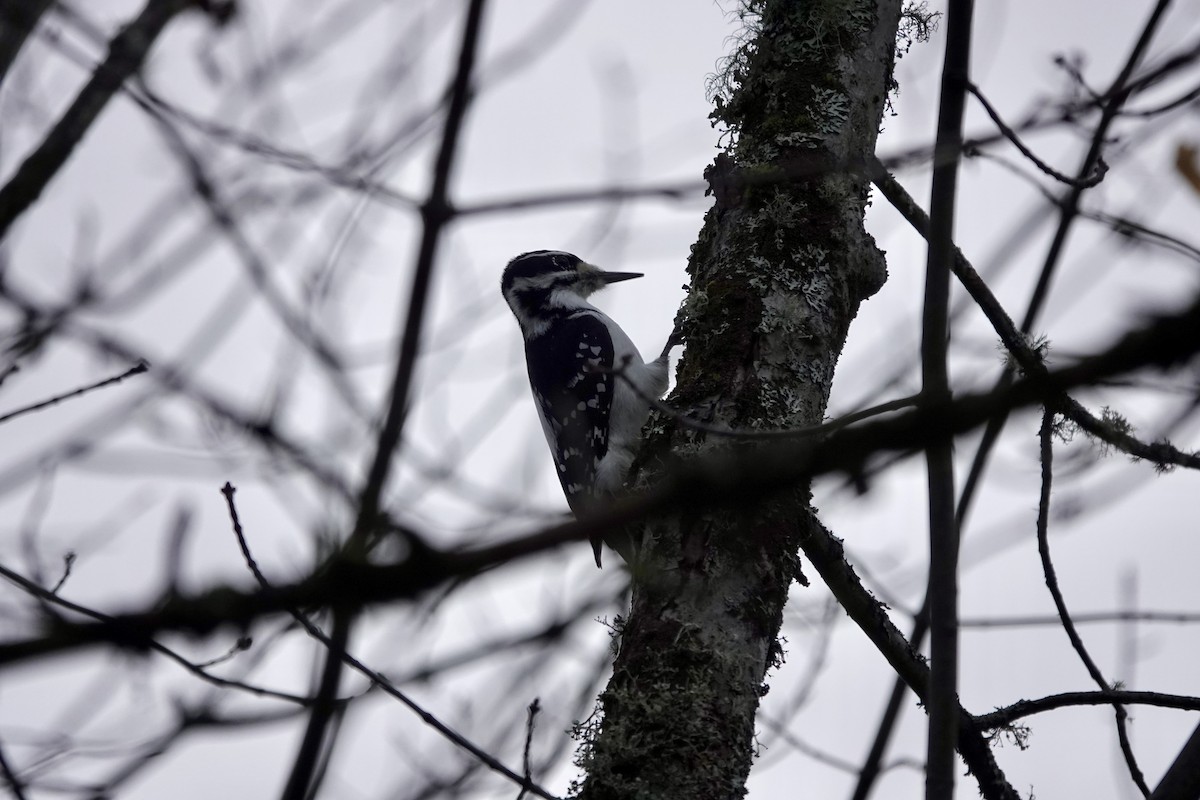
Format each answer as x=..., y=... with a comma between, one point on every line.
x=617, y=277
x=607, y=277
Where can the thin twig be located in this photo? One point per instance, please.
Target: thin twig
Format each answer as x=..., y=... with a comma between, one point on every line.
x=1016, y=343
x=189, y=718
x=228, y=491
x=1111, y=103
x=142, y=640
x=482, y=648
x=1046, y=449
x=1025, y=708
x=137, y=369
x=1119, y=225
x=534, y=708
x=12, y=368
x=68, y=563
x=1097, y=174
x=243, y=644
x=1115, y=99
x=225, y=218
x=747, y=434
x=377, y=679
x=1069, y=205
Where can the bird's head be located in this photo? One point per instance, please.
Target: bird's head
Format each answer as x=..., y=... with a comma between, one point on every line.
x=538, y=284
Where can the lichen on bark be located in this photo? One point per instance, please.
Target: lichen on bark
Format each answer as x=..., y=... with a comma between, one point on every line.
x=778, y=271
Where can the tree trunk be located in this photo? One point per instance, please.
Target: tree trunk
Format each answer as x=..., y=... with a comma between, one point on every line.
x=777, y=274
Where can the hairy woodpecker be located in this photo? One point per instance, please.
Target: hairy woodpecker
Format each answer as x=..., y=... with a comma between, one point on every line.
x=591, y=415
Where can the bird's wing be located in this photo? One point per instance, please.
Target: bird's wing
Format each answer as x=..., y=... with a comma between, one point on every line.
x=570, y=373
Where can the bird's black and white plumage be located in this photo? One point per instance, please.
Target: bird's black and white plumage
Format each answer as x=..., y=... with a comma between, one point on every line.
x=592, y=417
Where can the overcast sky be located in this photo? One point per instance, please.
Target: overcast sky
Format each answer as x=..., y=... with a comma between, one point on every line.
x=573, y=95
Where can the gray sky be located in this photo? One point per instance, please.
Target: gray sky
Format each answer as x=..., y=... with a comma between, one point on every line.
x=611, y=92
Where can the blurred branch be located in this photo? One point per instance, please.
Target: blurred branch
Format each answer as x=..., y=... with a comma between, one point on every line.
x=349, y=175
x=126, y=53
x=175, y=378
x=436, y=214
x=15, y=784
x=682, y=190
x=726, y=477
x=826, y=758
x=255, y=265
x=872, y=766
x=189, y=719
x=1096, y=617
x=377, y=680
x=1123, y=226
x=145, y=642
x=547, y=633
x=18, y=18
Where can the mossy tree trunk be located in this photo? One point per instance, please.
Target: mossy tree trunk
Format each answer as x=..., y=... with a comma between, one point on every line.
x=780, y=268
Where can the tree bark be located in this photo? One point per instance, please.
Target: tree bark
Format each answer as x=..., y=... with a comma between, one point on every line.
x=777, y=274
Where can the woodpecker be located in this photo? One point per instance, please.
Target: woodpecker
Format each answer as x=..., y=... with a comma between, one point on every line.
x=592, y=416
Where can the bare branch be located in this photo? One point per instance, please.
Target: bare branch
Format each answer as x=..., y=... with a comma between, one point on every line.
x=1024, y=708
x=827, y=555
x=1016, y=343
x=942, y=590
x=534, y=708
x=137, y=369
x=1085, y=183
x=1046, y=441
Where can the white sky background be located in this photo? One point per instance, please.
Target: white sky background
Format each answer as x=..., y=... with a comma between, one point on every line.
x=613, y=95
